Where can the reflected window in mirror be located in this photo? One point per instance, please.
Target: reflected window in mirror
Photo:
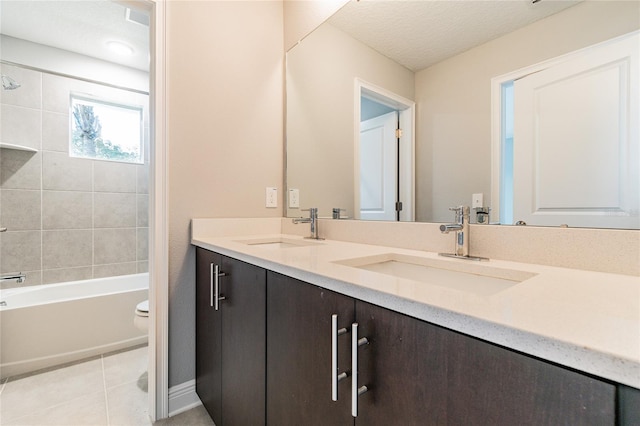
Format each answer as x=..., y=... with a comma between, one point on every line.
x=506, y=142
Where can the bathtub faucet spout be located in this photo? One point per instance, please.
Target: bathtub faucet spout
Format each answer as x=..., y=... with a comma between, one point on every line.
x=20, y=277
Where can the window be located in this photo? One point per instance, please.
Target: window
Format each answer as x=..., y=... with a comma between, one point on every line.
x=105, y=130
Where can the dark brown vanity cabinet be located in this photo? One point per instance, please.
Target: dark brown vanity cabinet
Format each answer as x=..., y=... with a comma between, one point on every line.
x=277, y=334
x=299, y=353
x=402, y=363
x=403, y=366
x=490, y=385
x=415, y=373
x=230, y=339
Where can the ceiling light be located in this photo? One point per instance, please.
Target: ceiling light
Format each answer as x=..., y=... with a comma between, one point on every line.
x=120, y=48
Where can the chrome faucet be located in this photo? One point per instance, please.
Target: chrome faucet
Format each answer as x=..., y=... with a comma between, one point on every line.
x=462, y=234
x=19, y=277
x=312, y=219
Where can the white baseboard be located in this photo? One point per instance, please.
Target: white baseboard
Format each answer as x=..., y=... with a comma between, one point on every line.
x=183, y=397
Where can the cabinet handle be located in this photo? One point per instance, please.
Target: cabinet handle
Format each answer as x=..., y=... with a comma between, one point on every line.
x=214, y=287
x=335, y=376
x=355, y=390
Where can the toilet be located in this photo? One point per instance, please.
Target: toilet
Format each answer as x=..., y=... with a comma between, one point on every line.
x=141, y=318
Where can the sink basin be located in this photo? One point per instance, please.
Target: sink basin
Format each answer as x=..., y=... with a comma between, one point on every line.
x=279, y=242
x=454, y=274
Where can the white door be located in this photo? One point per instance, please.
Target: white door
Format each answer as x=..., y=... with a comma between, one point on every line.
x=586, y=109
x=378, y=167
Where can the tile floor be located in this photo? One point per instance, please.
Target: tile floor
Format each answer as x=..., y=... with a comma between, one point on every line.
x=107, y=391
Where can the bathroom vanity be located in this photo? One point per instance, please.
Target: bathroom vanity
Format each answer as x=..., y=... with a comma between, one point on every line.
x=522, y=344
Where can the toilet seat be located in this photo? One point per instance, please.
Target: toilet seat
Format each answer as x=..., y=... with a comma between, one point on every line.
x=142, y=309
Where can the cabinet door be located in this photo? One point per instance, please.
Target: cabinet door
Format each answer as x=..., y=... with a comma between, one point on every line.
x=491, y=385
x=243, y=343
x=403, y=367
x=299, y=354
x=628, y=406
x=208, y=337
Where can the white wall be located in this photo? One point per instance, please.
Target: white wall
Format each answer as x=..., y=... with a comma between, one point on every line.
x=225, y=115
x=453, y=145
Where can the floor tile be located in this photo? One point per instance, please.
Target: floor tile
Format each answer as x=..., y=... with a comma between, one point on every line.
x=128, y=405
x=195, y=417
x=87, y=410
x=50, y=389
x=125, y=367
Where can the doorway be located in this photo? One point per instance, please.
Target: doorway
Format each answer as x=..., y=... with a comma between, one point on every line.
x=384, y=154
x=23, y=56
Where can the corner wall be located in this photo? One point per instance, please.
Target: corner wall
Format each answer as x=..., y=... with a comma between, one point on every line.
x=225, y=135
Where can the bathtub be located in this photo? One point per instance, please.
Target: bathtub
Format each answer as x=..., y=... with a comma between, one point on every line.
x=48, y=325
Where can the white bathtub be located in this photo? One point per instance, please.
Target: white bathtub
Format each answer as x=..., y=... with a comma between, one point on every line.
x=47, y=325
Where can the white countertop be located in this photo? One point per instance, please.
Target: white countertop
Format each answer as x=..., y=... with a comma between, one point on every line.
x=585, y=320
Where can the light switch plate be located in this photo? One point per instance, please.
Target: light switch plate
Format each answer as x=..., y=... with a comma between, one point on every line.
x=477, y=200
x=272, y=197
x=294, y=198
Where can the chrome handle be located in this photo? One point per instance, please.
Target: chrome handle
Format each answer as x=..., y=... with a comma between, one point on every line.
x=335, y=376
x=214, y=290
x=3, y=229
x=355, y=390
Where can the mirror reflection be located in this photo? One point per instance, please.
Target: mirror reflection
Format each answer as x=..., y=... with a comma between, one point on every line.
x=444, y=73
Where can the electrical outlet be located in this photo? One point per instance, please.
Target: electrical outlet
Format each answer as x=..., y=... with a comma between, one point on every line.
x=294, y=198
x=272, y=197
x=477, y=200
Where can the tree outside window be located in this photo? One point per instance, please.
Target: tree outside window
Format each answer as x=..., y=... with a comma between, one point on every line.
x=105, y=130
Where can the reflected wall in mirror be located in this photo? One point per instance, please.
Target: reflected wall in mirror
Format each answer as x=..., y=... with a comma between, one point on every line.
x=453, y=127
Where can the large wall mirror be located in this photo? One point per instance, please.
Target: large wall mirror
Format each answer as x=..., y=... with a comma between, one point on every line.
x=445, y=74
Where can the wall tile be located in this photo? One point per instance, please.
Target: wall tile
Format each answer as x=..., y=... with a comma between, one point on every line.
x=143, y=210
x=115, y=269
x=21, y=126
x=114, y=210
x=114, y=246
x=66, y=249
x=55, y=92
x=20, y=209
x=55, y=132
x=67, y=210
x=61, y=172
x=142, y=244
x=142, y=186
x=29, y=94
x=50, y=276
x=52, y=190
x=109, y=176
x=143, y=267
x=20, y=251
x=20, y=169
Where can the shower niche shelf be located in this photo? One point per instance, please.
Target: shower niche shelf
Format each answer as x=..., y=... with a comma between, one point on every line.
x=17, y=147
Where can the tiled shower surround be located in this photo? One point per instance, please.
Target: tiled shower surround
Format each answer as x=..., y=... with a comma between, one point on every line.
x=67, y=218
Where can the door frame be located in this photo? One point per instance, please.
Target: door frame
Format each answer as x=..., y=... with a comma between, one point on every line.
x=159, y=221
x=158, y=364
x=406, y=112
x=497, y=117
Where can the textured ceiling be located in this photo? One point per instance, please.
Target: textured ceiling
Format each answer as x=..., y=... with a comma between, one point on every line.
x=418, y=34
x=78, y=26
